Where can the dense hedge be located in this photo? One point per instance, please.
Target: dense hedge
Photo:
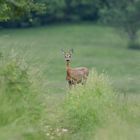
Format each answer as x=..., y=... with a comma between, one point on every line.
x=60, y=11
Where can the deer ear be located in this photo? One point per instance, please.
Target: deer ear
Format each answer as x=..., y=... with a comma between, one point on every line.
x=62, y=50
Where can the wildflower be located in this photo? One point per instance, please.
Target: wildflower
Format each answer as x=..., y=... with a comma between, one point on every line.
x=48, y=134
x=64, y=130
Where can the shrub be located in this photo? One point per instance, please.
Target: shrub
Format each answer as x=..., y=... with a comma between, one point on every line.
x=21, y=108
x=95, y=111
x=87, y=106
x=134, y=45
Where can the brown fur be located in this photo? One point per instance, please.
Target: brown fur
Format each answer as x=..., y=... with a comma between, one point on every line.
x=74, y=75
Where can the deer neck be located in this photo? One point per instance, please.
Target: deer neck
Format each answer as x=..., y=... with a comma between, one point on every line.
x=68, y=68
x=68, y=65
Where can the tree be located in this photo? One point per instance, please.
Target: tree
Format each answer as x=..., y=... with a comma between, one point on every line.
x=15, y=9
x=71, y=10
x=123, y=14
x=25, y=13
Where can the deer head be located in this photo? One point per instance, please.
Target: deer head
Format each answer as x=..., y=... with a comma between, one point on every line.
x=67, y=54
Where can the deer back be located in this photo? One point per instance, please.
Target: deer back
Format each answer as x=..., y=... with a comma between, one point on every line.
x=77, y=74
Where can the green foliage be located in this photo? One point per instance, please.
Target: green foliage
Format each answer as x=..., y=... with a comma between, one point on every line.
x=134, y=45
x=15, y=9
x=92, y=110
x=87, y=107
x=34, y=13
x=123, y=14
x=16, y=79
x=86, y=9
x=71, y=10
x=21, y=105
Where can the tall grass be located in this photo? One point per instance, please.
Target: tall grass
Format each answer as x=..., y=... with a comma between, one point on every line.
x=21, y=107
x=95, y=107
x=86, y=106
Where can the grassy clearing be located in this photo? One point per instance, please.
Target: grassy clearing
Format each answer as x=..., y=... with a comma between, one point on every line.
x=95, y=47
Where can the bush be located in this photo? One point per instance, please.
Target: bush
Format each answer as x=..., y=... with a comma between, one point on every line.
x=87, y=106
x=134, y=45
x=95, y=111
x=21, y=106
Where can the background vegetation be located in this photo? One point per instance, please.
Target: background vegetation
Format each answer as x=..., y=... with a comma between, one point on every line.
x=123, y=15
x=94, y=46
x=36, y=103
x=21, y=108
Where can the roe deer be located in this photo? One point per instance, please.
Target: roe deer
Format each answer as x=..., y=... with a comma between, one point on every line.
x=74, y=75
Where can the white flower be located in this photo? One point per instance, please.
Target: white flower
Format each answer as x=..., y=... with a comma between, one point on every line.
x=64, y=130
x=48, y=134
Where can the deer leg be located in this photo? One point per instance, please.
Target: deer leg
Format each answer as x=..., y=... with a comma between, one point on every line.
x=70, y=84
x=84, y=79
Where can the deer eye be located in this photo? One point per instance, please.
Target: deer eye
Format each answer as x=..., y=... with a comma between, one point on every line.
x=67, y=55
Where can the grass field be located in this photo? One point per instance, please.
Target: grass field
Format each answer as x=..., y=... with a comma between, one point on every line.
x=98, y=47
